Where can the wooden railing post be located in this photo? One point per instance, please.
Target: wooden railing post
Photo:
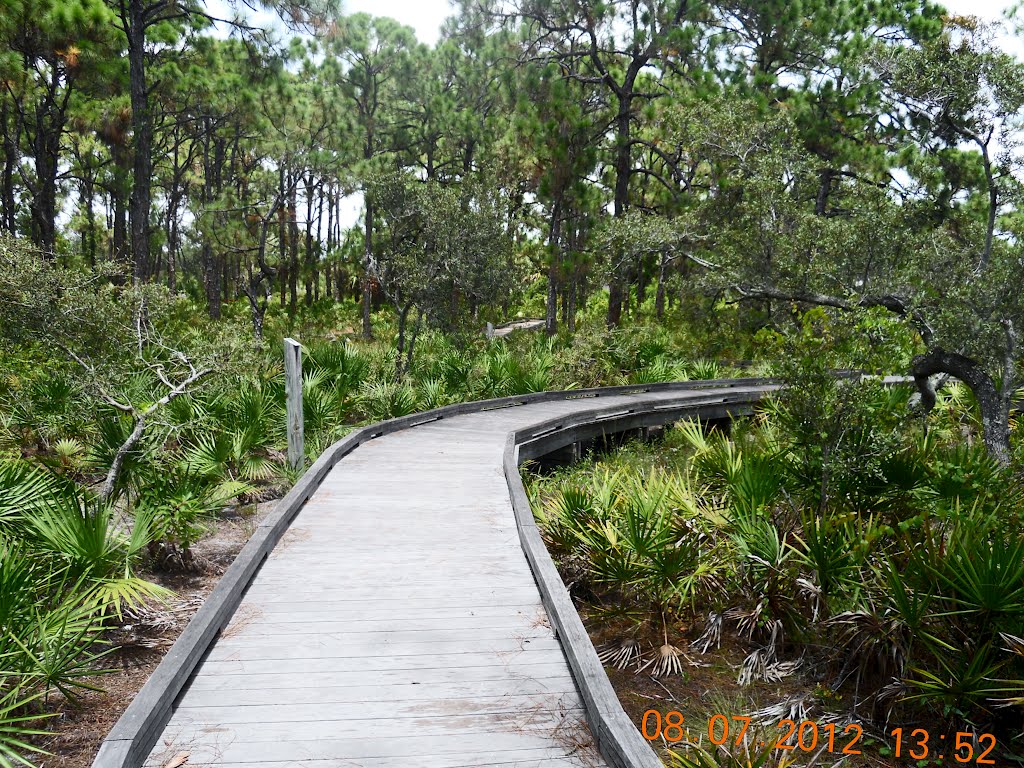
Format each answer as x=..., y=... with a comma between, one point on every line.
x=293, y=394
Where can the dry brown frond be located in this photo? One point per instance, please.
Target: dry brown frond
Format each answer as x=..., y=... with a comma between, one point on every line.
x=621, y=654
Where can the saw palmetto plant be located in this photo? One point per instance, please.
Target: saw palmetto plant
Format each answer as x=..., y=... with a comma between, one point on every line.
x=380, y=400
x=67, y=568
x=18, y=723
x=643, y=541
x=179, y=503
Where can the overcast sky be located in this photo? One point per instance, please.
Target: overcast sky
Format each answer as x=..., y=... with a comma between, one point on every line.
x=425, y=16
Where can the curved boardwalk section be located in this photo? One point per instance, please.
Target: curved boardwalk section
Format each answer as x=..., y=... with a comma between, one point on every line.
x=397, y=621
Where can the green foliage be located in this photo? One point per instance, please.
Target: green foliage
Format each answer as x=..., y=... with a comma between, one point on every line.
x=903, y=577
x=502, y=373
x=180, y=500
x=444, y=246
x=66, y=567
x=643, y=538
x=387, y=400
x=728, y=756
x=343, y=365
x=16, y=727
x=798, y=154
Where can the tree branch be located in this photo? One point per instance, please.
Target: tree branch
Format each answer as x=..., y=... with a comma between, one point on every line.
x=895, y=304
x=107, y=489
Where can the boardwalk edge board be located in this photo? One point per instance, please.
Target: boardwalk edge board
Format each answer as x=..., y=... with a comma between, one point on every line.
x=133, y=736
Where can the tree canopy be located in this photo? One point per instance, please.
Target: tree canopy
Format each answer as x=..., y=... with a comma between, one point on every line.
x=850, y=154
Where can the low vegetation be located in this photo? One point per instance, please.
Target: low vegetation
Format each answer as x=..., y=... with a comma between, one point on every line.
x=864, y=561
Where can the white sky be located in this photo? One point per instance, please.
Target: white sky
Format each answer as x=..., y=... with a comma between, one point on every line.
x=985, y=8
x=426, y=16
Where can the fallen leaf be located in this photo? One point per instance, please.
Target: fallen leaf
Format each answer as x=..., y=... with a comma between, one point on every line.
x=178, y=760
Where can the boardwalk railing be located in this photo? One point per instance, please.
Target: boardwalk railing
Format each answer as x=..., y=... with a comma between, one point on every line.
x=133, y=736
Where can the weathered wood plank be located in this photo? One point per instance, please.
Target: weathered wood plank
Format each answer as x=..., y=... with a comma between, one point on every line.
x=321, y=648
x=522, y=758
x=549, y=672
x=293, y=396
x=436, y=725
x=372, y=710
x=412, y=598
x=316, y=610
x=356, y=610
x=297, y=691
x=265, y=627
x=384, y=743
x=252, y=635
x=526, y=657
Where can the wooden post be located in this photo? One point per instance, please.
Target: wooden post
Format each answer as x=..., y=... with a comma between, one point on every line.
x=293, y=394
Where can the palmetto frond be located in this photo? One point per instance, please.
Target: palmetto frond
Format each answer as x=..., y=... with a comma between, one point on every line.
x=17, y=722
x=24, y=489
x=86, y=538
x=343, y=366
x=387, y=400
x=622, y=653
x=703, y=369
x=59, y=647
x=433, y=393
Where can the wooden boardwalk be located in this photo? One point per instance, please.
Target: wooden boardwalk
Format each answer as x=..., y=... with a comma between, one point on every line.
x=396, y=623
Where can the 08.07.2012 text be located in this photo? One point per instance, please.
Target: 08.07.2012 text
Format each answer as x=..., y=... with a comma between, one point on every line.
x=807, y=733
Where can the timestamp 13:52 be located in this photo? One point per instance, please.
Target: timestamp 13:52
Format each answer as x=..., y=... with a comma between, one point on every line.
x=964, y=747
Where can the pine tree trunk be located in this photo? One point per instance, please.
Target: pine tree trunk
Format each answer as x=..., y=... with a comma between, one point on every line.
x=641, y=284
x=367, y=270
x=119, y=239
x=555, y=246
x=8, y=204
x=211, y=276
x=623, y=169
x=308, y=283
x=172, y=242
x=574, y=278
x=293, y=250
x=319, y=243
x=43, y=205
x=282, y=239
x=329, y=253
x=89, y=233
x=142, y=139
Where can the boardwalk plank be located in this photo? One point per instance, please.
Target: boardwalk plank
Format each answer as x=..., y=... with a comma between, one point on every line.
x=549, y=672
x=324, y=648
x=455, y=661
x=372, y=710
x=410, y=691
x=509, y=722
x=384, y=743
